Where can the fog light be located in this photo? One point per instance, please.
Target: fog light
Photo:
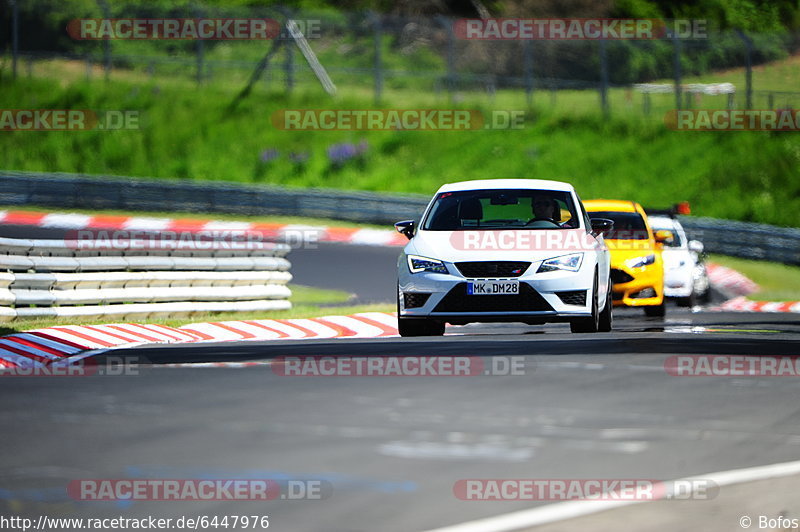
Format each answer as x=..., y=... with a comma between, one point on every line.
x=647, y=292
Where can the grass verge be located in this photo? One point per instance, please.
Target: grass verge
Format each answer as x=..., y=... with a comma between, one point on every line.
x=777, y=282
x=193, y=134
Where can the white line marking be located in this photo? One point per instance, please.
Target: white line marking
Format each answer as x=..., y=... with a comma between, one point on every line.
x=571, y=509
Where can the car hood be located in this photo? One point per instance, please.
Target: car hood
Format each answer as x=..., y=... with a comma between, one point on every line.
x=624, y=250
x=498, y=245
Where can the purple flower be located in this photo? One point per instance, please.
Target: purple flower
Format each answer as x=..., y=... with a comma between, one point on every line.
x=269, y=155
x=339, y=154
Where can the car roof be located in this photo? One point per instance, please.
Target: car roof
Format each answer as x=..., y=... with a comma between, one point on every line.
x=611, y=205
x=489, y=184
x=663, y=221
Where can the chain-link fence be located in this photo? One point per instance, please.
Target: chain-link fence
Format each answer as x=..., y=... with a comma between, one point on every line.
x=383, y=55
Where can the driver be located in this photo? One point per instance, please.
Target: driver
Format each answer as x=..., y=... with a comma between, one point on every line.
x=544, y=207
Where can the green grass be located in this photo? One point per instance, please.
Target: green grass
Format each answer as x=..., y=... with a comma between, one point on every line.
x=777, y=282
x=307, y=302
x=189, y=133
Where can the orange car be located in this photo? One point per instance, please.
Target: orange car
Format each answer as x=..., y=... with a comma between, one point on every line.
x=637, y=269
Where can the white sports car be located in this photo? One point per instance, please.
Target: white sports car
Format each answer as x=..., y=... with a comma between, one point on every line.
x=504, y=250
x=685, y=276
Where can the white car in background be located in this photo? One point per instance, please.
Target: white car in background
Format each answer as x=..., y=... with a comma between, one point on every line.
x=685, y=276
x=504, y=250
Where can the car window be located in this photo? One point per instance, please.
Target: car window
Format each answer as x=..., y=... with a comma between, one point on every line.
x=502, y=209
x=627, y=225
x=677, y=241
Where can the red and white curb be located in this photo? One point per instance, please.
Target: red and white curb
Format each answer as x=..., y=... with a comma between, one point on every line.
x=730, y=280
x=289, y=232
x=736, y=283
x=742, y=304
x=41, y=347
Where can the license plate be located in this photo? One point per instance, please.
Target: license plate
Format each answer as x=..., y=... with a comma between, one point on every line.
x=493, y=288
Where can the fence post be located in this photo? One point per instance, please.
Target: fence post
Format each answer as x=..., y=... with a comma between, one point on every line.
x=14, y=37
x=289, y=66
x=200, y=48
x=748, y=65
x=106, y=42
x=676, y=62
x=88, y=67
x=527, y=57
x=604, y=78
x=376, y=21
x=451, y=56
x=770, y=101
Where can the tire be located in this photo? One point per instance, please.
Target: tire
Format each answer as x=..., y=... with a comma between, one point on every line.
x=688, y=301
x=606, y=321
x=656, y=312
x=591, y=323
x=418, y=326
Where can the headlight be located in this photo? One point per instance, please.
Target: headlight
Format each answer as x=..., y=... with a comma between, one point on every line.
x=638, y=262
x=571, y=263
x=423, y=264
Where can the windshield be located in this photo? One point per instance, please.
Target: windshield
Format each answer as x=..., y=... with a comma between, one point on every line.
x=627, y=225
x=676, y=240
x=502, y=209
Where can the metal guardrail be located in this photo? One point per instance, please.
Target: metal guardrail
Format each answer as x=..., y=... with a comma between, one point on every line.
x=49, y=278
x=109, y=192
x=746, y=240
x=740, y=239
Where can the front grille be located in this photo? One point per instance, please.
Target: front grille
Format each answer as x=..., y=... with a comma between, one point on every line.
x=573, y=297
x=412, y=300
x=617, y=296
x=484, y=270
x=457, y=300
x=620, y=277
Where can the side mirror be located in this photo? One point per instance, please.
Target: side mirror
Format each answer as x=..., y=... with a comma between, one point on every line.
x=664, y=236
x=601, y=225
x=696, y=246
x=406, y=228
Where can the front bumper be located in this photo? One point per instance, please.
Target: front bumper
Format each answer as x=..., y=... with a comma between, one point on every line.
x=544, y=297
x=678, y=282
x=633, y=286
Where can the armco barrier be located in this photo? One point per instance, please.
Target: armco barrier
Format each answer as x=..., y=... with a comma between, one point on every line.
x=740, y=239
x=50, y=278
x=103, y=192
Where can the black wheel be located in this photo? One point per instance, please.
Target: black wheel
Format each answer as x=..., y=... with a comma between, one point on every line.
x=688, y=301
x=417, y=326
x=607, y=315
x=591, y=323
x=655, y=312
